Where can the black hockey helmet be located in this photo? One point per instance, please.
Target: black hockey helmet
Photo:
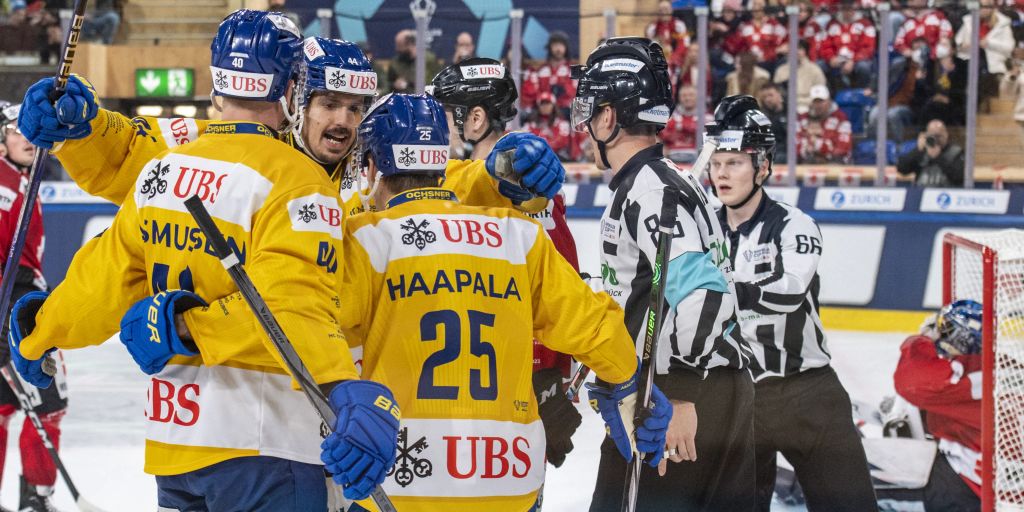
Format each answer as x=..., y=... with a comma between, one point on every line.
x=740, y=125
x=630, y=74
x=476, y=82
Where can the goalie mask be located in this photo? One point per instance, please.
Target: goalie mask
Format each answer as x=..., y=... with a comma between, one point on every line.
x=740, y=125
x=959, y=328
x=629, y=74
x=476, y=82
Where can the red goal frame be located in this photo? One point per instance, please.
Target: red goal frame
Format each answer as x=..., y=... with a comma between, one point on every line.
x=990, y=269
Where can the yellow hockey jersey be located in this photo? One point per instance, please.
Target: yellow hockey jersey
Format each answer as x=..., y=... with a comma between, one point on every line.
x=444, y=301
x=282, y=217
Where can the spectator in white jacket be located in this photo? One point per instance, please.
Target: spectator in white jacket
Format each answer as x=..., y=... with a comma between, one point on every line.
x=996, y=44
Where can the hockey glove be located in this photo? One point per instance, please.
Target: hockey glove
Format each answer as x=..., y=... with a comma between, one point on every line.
x=149, y=333
x=540, y=171
x=23, y=321
x=362, y=447
x=617, y=405
x=45, y=123
x=560, y=417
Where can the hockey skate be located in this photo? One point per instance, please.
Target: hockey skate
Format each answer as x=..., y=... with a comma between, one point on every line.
x=35, y=498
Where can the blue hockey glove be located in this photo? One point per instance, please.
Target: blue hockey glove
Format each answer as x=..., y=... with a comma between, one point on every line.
x=44, y=123
x=23, y=321
x=148, y=330
x=362, y=447
x=617, y=406
x=540, y=171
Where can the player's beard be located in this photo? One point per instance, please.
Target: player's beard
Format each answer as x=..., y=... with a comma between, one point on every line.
x=333, y=144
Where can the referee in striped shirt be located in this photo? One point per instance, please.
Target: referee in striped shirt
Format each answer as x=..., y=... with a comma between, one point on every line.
x=800, y=407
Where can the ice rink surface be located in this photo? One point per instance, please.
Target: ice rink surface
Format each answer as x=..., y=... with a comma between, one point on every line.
x=103, y=439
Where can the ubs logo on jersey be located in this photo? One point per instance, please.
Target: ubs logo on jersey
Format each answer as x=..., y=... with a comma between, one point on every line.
x=337, y=80
x=418, y=234
x=199, y=182
x=501, y=457
x=173, y=404
x=471, y=232
x=408, y=466
x=308, y=213
x=155, y=183
x=407, y=157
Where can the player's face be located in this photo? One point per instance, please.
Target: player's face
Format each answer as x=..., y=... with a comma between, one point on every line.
x=732, y=173
x=329, y=129
x=19, y=149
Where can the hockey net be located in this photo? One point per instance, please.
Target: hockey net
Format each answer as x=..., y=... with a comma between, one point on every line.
x=989, y=268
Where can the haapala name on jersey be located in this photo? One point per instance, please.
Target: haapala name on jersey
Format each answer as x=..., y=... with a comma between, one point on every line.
x=183, y=238
x=452, y=281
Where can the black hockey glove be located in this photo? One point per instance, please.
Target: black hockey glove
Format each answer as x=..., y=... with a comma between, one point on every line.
x=560, y=417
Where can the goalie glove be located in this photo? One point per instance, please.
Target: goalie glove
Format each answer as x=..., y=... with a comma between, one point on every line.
x=560, y=417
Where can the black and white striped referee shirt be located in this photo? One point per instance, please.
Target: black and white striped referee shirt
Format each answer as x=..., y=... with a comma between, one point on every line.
x=775, y=257
x=699, y=330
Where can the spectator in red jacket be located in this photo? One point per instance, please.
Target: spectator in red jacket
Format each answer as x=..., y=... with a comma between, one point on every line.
x=681, y=131
x=763, y=36
x=553, y=76
x=940, y=372
x=824, y=134
x=848, y=51
x=547, y=122
x=670, y=32
x=924, y=23
x=810, y=30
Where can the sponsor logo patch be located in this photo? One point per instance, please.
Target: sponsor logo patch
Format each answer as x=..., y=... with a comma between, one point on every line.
x=417, y=233
x=312, y=49
x=241, y=83
x=655, y=114
x=631, y=65
x=420, y=157
x=316, y=213
x=483, y=71
x=352, y=82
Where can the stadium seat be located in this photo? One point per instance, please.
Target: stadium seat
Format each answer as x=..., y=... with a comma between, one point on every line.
x=864, y=152
x=856, y=105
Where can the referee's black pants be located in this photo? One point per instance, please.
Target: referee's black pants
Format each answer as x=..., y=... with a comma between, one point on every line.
x=722, y=478
x=808, y=417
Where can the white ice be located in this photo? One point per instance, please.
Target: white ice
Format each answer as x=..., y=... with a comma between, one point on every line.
x=102, y=444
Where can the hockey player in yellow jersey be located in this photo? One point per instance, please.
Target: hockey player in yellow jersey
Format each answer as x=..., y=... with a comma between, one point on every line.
x=443, y=300
x=226, y=430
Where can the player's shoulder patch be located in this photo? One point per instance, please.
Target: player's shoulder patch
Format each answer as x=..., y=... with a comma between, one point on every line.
x=316, y=213
x=178, y=131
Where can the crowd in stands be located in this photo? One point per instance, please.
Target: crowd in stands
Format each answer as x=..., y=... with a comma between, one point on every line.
x=34, y=26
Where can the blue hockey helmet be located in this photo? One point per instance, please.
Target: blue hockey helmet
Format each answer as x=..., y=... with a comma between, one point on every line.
x=336, y=65
x=254, y=55
x=406, y=134
x=959, y=328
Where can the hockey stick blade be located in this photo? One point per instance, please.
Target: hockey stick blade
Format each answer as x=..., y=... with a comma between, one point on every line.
x=15, y=384
x=38, y=168
x=296, y=367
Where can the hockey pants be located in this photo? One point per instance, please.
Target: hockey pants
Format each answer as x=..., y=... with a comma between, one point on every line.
x=249, y=484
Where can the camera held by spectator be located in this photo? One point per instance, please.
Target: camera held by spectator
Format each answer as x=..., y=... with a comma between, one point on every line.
x=936, y=162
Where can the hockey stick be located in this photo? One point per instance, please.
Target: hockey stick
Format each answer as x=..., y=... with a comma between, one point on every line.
x=273, y=329
x=12, y=380
x=666, y=227
x=35, y=174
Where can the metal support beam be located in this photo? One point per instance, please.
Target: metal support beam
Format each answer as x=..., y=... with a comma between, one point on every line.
x=972, y=95
x=882, y=112
x=793, y=15
x=516, y=56
x=702, y=71
x=421, y=49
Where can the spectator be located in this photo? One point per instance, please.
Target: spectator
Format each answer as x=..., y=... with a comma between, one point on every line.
x=808, y=76
x=378, y=66
x=683, y=9
x=941, y=91
x=553, y=76
x=823, y=133
x=773, y=105
x=51, y=36
x=681, y=131
x=903, y=75
x=1013, y=86
x=101, y=24
x=402, y=71
x=748, y=76
x=763, y=36
x=848, y=51
x=810, y=31
x=465, y=48
x=670, y=32
x=279, y=6
x=996, y=45
x=935, y=161
x=547, y=122
x=686, y=73
x=922, y=23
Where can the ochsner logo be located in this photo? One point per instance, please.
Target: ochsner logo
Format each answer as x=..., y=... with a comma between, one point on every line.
x=420, y=157
x=655, y=114
x=240, y=83
x=631, y=65
x=483, y=71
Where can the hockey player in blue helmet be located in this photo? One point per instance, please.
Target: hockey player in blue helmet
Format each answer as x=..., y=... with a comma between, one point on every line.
x=422, y=233
x=339, y=86
x=226, y=430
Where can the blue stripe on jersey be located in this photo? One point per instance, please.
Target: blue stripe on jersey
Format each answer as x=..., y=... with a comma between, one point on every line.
x=691, y=271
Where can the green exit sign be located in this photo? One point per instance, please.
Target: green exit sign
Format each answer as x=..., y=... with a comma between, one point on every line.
x=164, y=83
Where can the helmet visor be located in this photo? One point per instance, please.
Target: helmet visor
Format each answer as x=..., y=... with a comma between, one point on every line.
x=582, y=110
